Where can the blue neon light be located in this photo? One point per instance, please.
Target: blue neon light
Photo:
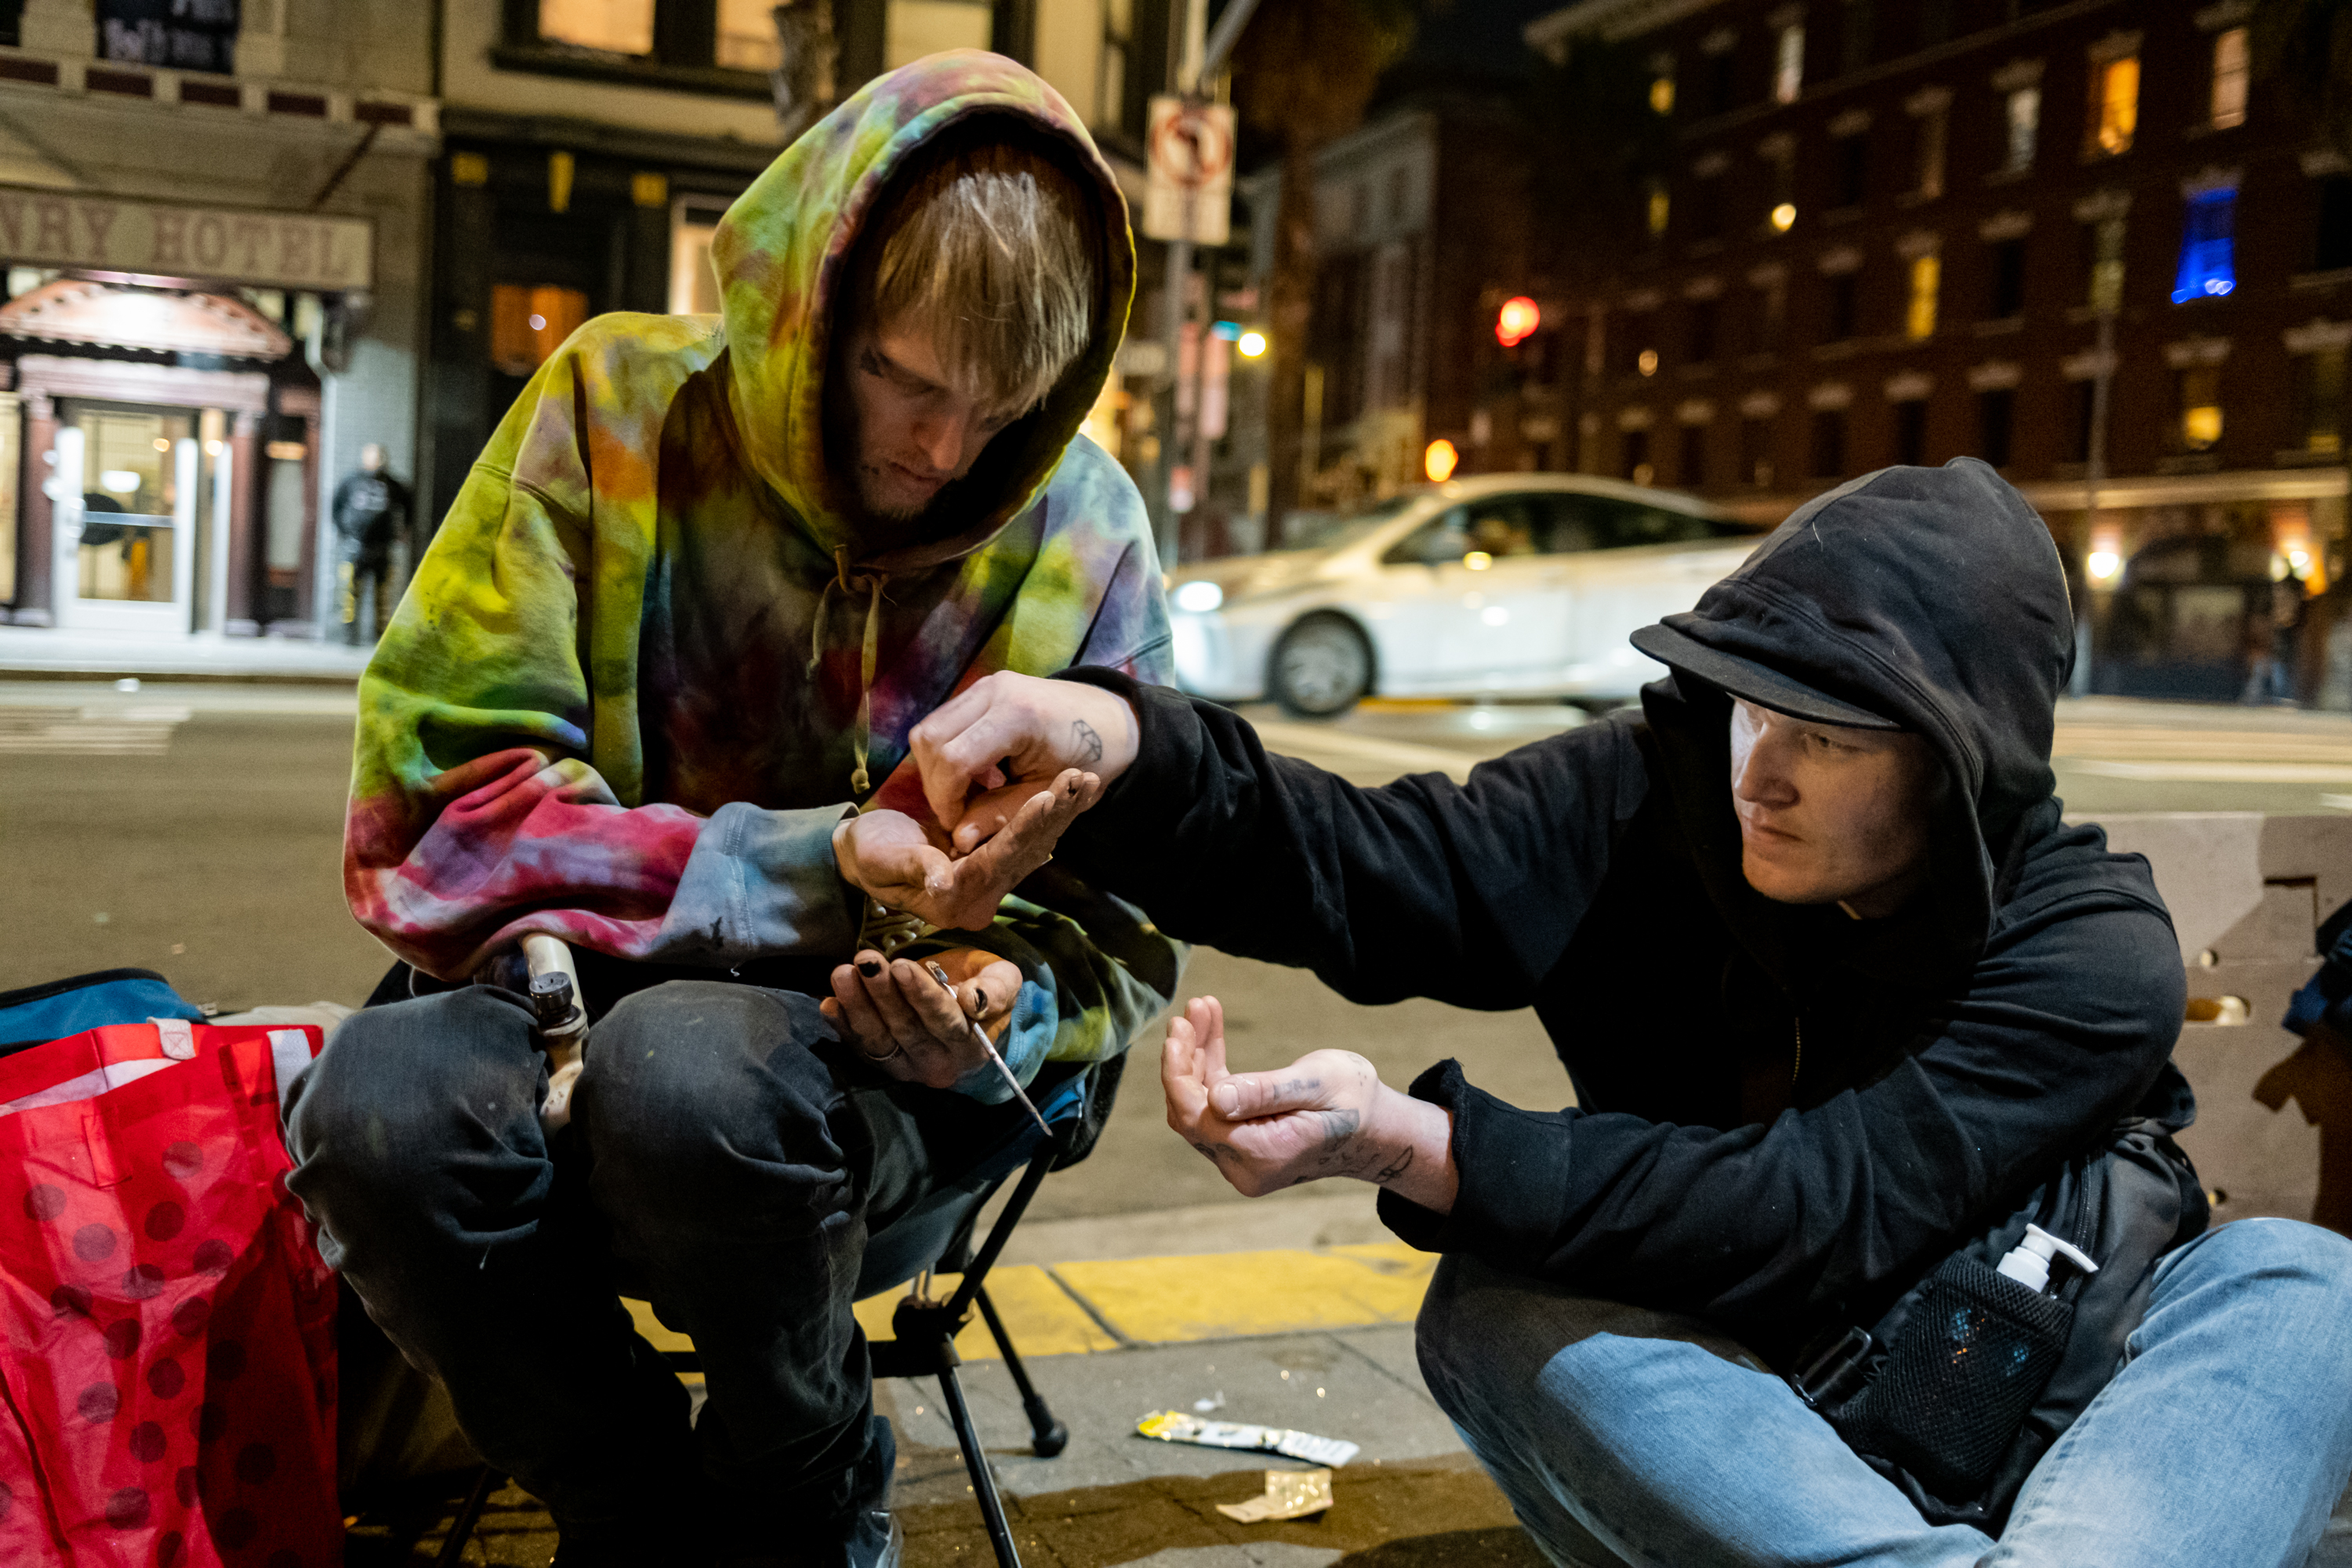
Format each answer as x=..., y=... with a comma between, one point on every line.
x=2209, y=261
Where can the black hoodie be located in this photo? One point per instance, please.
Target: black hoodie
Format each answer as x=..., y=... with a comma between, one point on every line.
x=1784, y=1116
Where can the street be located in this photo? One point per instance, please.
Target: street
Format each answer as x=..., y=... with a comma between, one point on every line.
x=195, y=829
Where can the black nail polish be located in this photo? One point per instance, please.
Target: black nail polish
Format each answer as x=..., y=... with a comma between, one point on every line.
x=869, y=967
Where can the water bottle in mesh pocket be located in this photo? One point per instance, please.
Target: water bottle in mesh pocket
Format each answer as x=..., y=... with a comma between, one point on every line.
x=1955, y=1387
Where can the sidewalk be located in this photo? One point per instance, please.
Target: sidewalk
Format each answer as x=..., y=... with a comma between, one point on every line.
x=36, y=653
x=1265, y=1314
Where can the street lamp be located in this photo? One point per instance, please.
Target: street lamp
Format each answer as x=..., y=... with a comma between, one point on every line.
x=1438, y=460
x=1252, y=343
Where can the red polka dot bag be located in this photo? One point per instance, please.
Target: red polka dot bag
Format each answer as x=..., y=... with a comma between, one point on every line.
x=166, y=1325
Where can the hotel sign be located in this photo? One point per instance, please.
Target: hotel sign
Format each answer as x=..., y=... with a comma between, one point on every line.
x=111, y=234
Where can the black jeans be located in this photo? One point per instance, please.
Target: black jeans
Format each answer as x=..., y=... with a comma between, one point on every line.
x=727, y=1160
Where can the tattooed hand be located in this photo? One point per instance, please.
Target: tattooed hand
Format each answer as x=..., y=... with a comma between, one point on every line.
x=987, y=750
x=1326, y=1114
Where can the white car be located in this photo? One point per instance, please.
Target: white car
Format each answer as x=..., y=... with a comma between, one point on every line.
x=1505, y=584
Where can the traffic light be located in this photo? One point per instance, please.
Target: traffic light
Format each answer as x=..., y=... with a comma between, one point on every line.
x=1517, y=321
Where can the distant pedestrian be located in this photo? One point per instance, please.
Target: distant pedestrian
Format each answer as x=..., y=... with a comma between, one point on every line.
x=372, y=512
x=2277, y=640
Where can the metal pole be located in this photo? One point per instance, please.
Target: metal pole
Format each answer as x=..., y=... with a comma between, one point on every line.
x=2095, y=476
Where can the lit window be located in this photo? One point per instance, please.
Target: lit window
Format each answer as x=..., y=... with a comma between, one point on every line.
x=616, y=26
x=530, y=322
x=1661, y=208
x=2198, y=389
x=913, y=28
x=1928, y=151
x=2114, y=104
x=1927, y=277
x=2230, y=70
x=1662, y=94
x=693, y=286
x=2208, y=266
x=1788, y=64
x=2021, y=118
x=2317, y=401
x=747, y=35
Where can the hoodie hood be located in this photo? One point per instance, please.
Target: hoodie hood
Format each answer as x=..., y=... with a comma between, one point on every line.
x=1932, y=597
x=782, y=253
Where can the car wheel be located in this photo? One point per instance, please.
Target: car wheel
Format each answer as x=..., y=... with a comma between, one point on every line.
x=1320, y=669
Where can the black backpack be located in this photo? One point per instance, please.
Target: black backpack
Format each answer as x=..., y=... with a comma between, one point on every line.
x=1958, y=1389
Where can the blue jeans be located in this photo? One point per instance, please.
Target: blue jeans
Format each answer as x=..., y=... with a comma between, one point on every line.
x=725, y=1161
x=1626, y=1435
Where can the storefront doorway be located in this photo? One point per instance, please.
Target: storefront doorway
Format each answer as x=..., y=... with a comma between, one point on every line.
x=128, y=482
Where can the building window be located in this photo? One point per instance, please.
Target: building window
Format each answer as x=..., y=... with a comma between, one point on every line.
x=1640, y=346
x=1919, y=312
x=693, y=286
x=1661, y=90
x=1844, y=311
x=1692, y=473
x=2208, y=266
x=914, y=28
x=1661, y=208
x=1996, y=416
x=2231, y=67
x=2084, y=401
x=1859, y=16
x=1756, y=451
x=1852, y=168
x=197, y=38
x=1911, y=432
x=1769, y=318
x=2021, y=129
x=2007, y=297
x=1706, y=320
x=1706, y=208
x=2196, y=402
x=530, y=321
x=2114, y=105
x=2103, y=264
x=2317, y=401
x=1780, y=183
x=2331, y=249
x=609, y=26
x=1637, y=467
x=1789, y=64
x=1826, y=450
x=1928, y=150
x=1722, y=79
x=747, y=35
x=1118, y=43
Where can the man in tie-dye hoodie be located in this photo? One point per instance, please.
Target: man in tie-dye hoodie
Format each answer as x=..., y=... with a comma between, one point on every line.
x=667, y=643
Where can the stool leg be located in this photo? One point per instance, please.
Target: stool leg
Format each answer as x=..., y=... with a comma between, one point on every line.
x=983, y=1484
x=461, y=1529
x=1047, y=1437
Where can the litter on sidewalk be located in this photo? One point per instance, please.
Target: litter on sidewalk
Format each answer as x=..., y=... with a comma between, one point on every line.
x=1175, y=1426
x=1290, y=1494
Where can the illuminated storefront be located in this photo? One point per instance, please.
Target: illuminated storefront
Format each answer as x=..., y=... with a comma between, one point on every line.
x=166, y=403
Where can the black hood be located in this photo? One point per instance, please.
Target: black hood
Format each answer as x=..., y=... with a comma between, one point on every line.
x=1932, y=597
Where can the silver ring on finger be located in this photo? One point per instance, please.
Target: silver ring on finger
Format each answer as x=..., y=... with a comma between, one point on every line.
x=896, y=1050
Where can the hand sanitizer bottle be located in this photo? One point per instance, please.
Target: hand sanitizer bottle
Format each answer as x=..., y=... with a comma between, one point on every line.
x=2029, y=1263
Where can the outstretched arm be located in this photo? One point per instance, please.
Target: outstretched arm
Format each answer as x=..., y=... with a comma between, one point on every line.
x=1468, y=893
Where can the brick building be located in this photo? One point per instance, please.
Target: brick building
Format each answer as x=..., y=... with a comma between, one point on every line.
x=2044, y=234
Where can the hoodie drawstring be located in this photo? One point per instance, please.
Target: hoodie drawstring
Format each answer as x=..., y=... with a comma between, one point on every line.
x=868, y=653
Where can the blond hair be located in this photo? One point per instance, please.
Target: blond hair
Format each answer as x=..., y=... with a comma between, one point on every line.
x=989, y=251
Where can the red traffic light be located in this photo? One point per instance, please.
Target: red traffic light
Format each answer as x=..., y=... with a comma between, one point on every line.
x=1517, y=322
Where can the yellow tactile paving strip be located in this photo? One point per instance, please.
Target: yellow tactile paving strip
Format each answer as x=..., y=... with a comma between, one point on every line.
x=1072, y=1309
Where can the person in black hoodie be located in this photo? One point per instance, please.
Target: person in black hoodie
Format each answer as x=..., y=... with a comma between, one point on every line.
x=1845, y=1005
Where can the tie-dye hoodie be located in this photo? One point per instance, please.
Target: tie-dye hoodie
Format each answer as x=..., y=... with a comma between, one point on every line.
x=645, y=667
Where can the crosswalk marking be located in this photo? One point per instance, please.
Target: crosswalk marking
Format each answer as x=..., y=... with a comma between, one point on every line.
x=139, y=730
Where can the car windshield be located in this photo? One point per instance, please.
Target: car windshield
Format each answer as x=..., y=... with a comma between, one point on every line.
x=1331, y=530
